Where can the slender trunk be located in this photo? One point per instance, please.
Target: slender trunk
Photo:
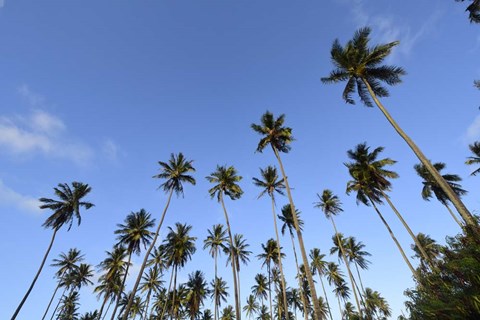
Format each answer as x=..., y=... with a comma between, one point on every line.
x=122, y=288
x=311, y=284
x=340, y=307
x=108, y=308
x=174, y=293
x=215, y=300
x=466, y=215
x=270, y=289
x=144, y=315
x=239, y=285
x=166, y=297
x=36, y=276
x=454, y=216
x=232, y=260
x=300, y=286
x=325, y=293
x=350, y=275
x=280, y=264
x=405, y=225
x=58, y=303
x=147, y=254
x=360, y=278
x=414, y=272
x=51, y=300
x=103, y=305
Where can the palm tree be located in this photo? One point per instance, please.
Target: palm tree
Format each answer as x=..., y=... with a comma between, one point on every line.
x=260, y=288
x=271, y=184
x=81, y=276
x=132, y=235
x=66, y=263
x=251, y=307
x=335, y=277
x=207, y=315
x=279, y=138
x=431, y=187
x=228, y=313
x=197, y=292
x=474, y=11
x=225, y=180
x=360, y=66
x=357, y=255
x=219, y=292
x=433, y=249
x=295, y=300
x=69, y=307
x=376, y=305
x=151, y=283
x=64, y=212
x=475, y=149
x=319, y=264
x=263, y=314
x=331, y=206
x=215, y=241
x=369, y=181
x=175, y=173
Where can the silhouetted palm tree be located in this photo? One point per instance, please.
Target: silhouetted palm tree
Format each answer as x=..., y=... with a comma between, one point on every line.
x=475, y=149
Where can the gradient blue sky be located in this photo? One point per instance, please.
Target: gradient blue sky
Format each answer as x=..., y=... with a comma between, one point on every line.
x=99, y=91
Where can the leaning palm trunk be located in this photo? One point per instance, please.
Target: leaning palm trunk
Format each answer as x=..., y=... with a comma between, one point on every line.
x=359, y=278
x=419, y=245
x=166, y=297
x=58, y=304
x=325, y=293
x=454, y=216
x=270, y=290
x=232, y=260
x=107, y=296
x=122, y=288
x=36, y=276
x=311, y=284
x=414, y=272
x=147, y=254
x=284, y=288
x=300, y=287
x=458, y=204
x=215, y=289
x=350, y=275
x=51, y=300
x=144, y=313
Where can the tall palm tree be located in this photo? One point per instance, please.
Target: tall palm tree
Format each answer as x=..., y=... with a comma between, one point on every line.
x=369, y=179
x=220, y=291
x=215, y=241
x=433, y=249
x=64, y=211
x=376, y=305
x=251, y=307
x=335, y=277
x=228, y=313
x=263, y=314
x=260, y=288
x=295, y=300
x=69, y=306
x=225, y=181
x=271, y=184
x=152, y=282
x=175, y=172
x=197, y=292
x=331, y=206
x=319, y=264
x=133, y=234
x=357, y=255
x=431, y=187
x=475, y=149
x=278, y=137
x=361, y=67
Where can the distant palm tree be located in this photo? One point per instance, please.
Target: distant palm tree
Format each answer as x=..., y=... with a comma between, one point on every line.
x=219, y=293
x=225, y=181
x=151, y=283
x=475, y=149
x=197, y=291
x=251, y=307
x=295, y=300
x=359, y=65
x=260, y=288
x=271, y=184
x=228, y=313
x=474, y=11
x=433, y=249
x=133, y=235
x=93, y=315
x=263, y=314
x=207, y=315
x=175, y=173
x=69, y=307
x=319, y=264
x=376, y=305
x=431, y=187
x=357, y=255
x=278, y=137
x=64, y=212
x=335, y=277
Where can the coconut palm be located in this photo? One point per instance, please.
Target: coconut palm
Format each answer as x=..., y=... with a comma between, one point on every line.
x=319, y=265
x=81, y=276
x=369, y=179
x=361, y=67
x=278, y=137
x=474, y=11
x=251, y=307
x=220, y=291
x=228, y=313
x=376, y=305
x=215, y=241
x=206, y=315
x=357, y=255
x=260, y=288
x=433, y=249
x=331, y=206
x=271, y=184
x=133, y=235
x=225, y=181
x=93, y=315
x=431, y=187
x=263, y=313
x=295, y=300
x=335, y=277
x=197, y=292
x=475, y=149
x=175, y=172
x=152, y=282
x=69, y=307
x=65, y=210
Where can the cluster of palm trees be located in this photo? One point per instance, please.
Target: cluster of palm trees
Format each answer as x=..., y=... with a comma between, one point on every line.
x=360, y=66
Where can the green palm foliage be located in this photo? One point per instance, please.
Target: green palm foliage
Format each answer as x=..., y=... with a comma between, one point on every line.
x=475, y=149
x=175, y=172
x=69, y=307
x=376, y=307
x=279, y=137
x=228, y=313
x=473, y=10
x=65, y=210
x=357, y=255
x=206, y=315
x=360, y=65
x=431, y=187
x=152, y=282
x=319, y=265
x=260, y=288
x=197, y=292
x=433, y=249
x=225, y=181
x=220, y=291
x=263, y=313
x=251, y=306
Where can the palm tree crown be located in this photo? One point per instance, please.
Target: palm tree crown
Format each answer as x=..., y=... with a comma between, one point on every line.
x=329, y=203
x=225, y=179
x=275, y=134
x=475, y=148
x=135, y=231
x=175, y=172
x=270, y=182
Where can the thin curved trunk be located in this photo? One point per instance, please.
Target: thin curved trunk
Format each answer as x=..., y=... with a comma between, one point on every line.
x=147, y=254
x=270, y=289
x=458, y=204
x=108, y=308
x=173, y=313
x=232, y=260
x=359, y=278
x=51, y=300
x=215, y=299
x=122, y=288
x=311, y=284
x=103, y=306
x=350, y=275
x=166, y=296
x=280, y=264
x=58, y=303
x=325, y=293
x=414, y=272
x=340, y=307
x=454, y=216
x=300, y=287
x=143, y=315
x=410, y=232
x=36, y=276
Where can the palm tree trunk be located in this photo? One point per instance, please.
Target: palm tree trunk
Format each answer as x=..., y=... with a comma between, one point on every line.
x=419, y=245
x=300, y=287
x=325, y=293
x=270, y=289
x=311, y=284
x=360, y=278
x=466, y=215
x=103, y=305
x=414, y=272
x=454, y=216
x=36, y=276
x=58, y=303
x=215, y=300
x=166, y=297
x=340, y=307
x=350, y=275
x=51, y=300
x=280, y=264
x=122, y=288
x=232, y=260
x=143, y=315
x=106, y=311
x=145, y=259
x=174, y=291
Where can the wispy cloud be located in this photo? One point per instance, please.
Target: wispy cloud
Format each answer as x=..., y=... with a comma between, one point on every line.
x=111, y=150
x=2, y=3
x=10, y=197
x=473, y=131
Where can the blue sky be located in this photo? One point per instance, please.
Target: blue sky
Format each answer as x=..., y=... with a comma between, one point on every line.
x=99, y=92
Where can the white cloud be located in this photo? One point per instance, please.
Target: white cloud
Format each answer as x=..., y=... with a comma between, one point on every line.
x=111, y=150
x=2, y=3
x=34, y=99
x=10, y=197
x=473, y=131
